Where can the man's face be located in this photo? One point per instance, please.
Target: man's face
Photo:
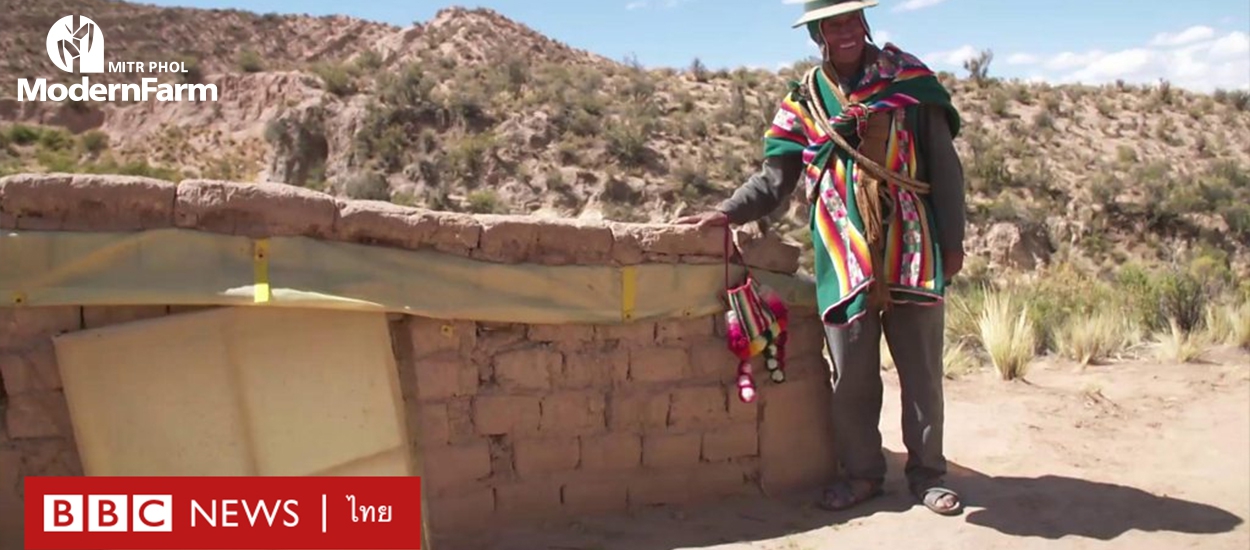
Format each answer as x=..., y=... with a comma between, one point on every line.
x=844, y=37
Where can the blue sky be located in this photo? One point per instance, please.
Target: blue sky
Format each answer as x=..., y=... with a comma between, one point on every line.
x=1197, y=44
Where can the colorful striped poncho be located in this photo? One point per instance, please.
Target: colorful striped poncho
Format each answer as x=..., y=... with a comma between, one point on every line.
x=911, y=261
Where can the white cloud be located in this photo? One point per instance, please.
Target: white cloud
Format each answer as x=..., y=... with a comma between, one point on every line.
x=1022, y=59
x=1196, y=58
x=955, y=57
x=912, y=5
x=1199, y=64
x=1187, y=36
x=1232, y=44
x=881, y=37
x=636, y=5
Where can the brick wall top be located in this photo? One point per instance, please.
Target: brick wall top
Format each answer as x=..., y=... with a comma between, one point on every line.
x=110, y=203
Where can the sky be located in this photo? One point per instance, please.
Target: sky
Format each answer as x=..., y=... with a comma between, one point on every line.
x=1200, y=45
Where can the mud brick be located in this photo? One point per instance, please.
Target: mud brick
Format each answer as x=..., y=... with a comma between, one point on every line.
x=435, y=425
x=807, y=337
x=725, y=479
x=444, y=376
x=678, y=331
x=506, y=239
x=260, y=209
x=612, y=452
x=38, y=415
x=698, y=407
x=635, y=334
x=594, y=369
x=49, y=457
x=535, y=457
x=638, y=412
x=658, y=364
x=566, y=336
x=659, y=489
x=433, y=336
x=506, y=414
x=806, y=367
x=574, y=413
x=456, y=233
x=739, y=440
x=100, y=316
x=529, y=499
x=10, y=499
x=570, y=241
x=740, y=411
x=527, y=369
x=712, y=361
x=460, y=421
x=596, y=496
x=21, y=326
x=796, y=446
x=448, y=467
x=463, y=509
x=661, y=451
x=32, y=369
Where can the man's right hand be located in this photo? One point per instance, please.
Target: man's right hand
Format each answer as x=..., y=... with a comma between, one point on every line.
x=714, y=218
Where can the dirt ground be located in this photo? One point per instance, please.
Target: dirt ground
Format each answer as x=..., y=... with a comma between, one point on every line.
x=1130, y=455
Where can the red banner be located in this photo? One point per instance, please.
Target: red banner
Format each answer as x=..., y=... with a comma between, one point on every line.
x=223, y=513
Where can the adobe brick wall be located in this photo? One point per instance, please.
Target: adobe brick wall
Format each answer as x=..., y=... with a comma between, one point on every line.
x=515, y=423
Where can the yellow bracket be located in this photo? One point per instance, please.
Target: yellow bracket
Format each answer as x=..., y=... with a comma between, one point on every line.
x=260, y=271
x=629, y=292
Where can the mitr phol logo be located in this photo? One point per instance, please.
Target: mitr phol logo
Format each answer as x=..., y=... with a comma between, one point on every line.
x=76, y=46
x=76, y=40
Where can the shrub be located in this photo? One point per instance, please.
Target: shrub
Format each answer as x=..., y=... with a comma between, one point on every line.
x=484, y=201
x=21, y=134
x=336, y=78
x=367, y=186
x=250, y=62
x=1182, y=300
x=95, y=141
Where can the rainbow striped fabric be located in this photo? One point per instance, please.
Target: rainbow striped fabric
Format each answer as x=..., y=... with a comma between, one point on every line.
x=898, y=82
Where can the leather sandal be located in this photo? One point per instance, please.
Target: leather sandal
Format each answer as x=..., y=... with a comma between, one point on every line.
x=843, y=494
x=932, y=497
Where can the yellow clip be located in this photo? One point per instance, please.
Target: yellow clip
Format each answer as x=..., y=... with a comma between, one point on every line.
x=260, y=271
x=629, y=291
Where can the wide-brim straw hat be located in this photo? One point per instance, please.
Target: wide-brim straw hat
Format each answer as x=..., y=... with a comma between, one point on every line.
x=815, y=10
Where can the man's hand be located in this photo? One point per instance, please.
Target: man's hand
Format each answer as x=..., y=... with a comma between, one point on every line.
x=714, y=218
x=952, y=263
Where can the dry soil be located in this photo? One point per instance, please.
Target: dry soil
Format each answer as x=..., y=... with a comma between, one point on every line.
x=1138, y=455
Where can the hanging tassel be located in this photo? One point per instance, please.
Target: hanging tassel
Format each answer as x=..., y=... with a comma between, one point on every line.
x=746, y=383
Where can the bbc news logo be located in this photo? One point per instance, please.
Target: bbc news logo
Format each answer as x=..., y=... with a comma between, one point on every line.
x=108, y=513
x=224, y=513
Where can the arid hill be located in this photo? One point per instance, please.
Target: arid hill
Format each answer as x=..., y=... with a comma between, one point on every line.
x=473, y=111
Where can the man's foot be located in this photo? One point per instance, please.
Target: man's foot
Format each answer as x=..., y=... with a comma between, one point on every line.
x=939, y=499
x=849, y=493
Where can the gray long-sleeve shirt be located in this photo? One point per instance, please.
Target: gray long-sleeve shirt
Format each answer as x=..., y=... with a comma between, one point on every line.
x=938, y=164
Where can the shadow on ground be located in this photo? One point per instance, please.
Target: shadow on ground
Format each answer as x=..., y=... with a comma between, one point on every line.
x=1049, y=507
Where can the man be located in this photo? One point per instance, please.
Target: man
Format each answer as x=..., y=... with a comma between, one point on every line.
x=886, y=198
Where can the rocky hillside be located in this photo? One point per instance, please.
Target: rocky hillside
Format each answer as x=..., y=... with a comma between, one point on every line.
x=472, y=111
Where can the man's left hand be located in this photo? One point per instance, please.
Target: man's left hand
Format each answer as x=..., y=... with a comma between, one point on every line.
x=952, y=263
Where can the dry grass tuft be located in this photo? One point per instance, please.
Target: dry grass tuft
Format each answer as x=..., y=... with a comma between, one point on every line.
x=959, y=359
x=1180, y=346
x=1240, y=319
x=1090, y=339
x=1007, y=334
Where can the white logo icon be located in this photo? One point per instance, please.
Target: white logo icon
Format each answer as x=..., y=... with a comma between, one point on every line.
x=76, y=38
